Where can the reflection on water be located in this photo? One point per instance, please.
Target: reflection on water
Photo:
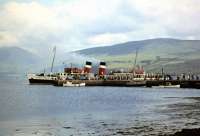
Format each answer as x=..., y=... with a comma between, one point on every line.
x=47, y=110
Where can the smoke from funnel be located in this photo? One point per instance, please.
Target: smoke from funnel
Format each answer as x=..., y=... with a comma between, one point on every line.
x=78, y=60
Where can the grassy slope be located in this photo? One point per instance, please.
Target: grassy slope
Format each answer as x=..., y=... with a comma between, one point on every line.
x=176, y=55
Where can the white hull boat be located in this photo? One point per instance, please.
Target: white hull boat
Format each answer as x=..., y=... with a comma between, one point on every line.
x=167, y=86
x=70, y=84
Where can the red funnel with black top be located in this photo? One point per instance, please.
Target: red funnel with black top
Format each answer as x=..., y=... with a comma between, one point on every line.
x=102, y=68
x=88, y=67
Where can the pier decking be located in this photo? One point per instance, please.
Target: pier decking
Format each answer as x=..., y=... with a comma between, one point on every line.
x=125, y=83
x=136, y=83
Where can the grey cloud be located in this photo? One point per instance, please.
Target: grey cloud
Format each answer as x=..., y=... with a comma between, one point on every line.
x=37, y=27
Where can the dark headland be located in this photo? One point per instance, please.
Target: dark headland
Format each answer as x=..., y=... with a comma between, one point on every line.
x=187, y=132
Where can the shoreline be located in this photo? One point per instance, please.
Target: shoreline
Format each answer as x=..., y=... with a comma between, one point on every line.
x=186, y=132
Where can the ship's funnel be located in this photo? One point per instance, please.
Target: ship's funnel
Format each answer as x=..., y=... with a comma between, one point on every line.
x=88, y=67
x=102, y=68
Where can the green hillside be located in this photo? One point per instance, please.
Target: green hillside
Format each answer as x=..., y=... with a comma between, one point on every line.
x=173, y=55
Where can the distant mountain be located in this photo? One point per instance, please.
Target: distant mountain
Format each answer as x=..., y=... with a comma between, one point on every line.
x=164, y=44
x=17, y=60
x=173, y=54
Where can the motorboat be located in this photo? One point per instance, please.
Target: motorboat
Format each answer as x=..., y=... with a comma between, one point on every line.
x=70, y=84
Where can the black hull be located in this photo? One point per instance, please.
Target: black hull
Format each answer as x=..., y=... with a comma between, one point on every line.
x=42, y=81
x=195, y=85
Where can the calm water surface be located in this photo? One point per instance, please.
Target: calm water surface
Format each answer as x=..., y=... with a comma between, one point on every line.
x=45, y=110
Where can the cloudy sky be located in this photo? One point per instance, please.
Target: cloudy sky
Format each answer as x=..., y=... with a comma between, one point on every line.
x=78, y=24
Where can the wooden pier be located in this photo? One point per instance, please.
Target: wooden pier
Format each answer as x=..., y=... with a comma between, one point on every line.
x=183, y=83
x=136, y=83
x=125, y=83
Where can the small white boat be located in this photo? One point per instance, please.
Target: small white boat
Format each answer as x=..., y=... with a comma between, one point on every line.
x=70, y=84
x=167, y=86
x=172, y=86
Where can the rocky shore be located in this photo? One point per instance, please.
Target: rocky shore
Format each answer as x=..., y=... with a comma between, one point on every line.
x=187, y=132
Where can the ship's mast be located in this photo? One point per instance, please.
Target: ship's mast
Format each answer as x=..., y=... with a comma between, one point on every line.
x=54, y=51
x=135, y=62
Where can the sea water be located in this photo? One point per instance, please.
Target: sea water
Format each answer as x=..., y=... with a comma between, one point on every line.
x=46, y=110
